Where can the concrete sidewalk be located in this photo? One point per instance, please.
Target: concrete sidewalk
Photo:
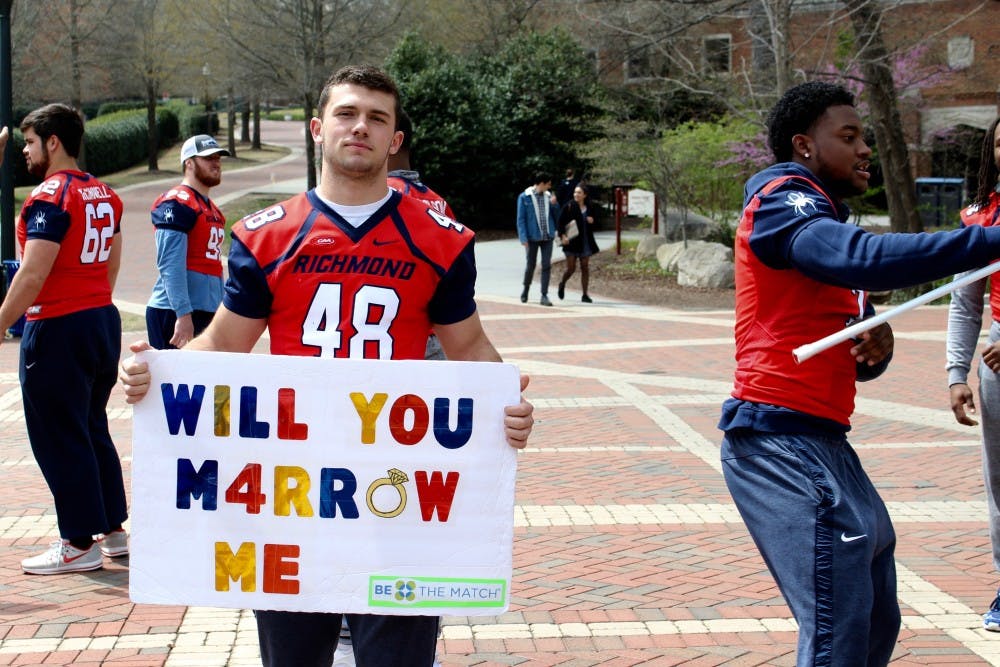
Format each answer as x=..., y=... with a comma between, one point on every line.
x=627, y=548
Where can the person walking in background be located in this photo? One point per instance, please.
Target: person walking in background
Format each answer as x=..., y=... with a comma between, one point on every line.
x=536, y=227
x=802, y=273
x=277, y=282
x=965, y=319
x=576, y=233
x=564, y=193
x=190, y=230
x=70, y=242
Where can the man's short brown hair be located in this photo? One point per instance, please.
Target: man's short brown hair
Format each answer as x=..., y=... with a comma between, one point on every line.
x=366, y=76
x=60, y=120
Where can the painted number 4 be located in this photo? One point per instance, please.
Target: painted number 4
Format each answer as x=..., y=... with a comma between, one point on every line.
x=445, y=221
x=371, y=315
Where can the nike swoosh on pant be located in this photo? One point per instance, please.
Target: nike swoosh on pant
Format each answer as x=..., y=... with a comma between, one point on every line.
x=845, y=538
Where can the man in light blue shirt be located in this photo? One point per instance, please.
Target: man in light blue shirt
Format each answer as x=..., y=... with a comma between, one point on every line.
x=189, y=233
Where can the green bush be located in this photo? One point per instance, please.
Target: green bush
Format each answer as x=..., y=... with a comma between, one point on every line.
x=112, y=142
x=294, y=113
x=528, y=106
x=118, y=140
x=704, y=174
x=168, y=126
x=192, y=119
x=115, y=141
x=114, y=107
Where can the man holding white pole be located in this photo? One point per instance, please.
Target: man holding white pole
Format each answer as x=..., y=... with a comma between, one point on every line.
x=802, y=274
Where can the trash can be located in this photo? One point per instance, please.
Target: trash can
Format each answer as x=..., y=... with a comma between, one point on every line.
x=9, y=269
x=939, y=200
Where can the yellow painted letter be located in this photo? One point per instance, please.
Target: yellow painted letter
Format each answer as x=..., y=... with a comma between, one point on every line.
x=295, y=495
x=242, y=566
x=369, y=412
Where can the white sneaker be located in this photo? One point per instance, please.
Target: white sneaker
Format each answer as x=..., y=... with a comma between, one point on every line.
x=63, y=557
x=114, y=544
x=344, y=655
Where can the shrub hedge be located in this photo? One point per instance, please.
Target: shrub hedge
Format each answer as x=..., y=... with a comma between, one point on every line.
x=117, y=140
x=113, y=107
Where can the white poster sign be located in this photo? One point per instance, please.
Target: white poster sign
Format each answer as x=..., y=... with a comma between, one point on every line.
x=308, y=484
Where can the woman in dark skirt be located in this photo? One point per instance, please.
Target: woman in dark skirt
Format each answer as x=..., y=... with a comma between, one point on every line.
x=582, y=243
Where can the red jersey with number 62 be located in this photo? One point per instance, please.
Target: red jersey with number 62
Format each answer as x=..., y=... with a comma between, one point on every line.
x=82, y=215
x=330, y=289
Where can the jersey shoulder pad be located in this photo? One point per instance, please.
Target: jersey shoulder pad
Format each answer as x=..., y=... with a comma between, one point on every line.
x=51, y=190
x=437, y=235
x=399, y=184
x=268, y=232
x=180, y=194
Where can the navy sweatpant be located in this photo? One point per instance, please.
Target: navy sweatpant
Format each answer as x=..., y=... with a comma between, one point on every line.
x=160, y=325
x=68, y=367
x=305, y=639
x=826, y=537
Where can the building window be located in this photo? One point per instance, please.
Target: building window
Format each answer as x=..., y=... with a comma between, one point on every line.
x=960, y=52
x=717, y=54
x=637, y=65
x=644, y=63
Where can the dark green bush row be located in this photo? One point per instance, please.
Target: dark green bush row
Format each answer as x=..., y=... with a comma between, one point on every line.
x=113, y=107
x=192, y=119
x=117, y=140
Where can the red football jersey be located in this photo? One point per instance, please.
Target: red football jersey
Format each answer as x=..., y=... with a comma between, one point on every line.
x=422, y=192
x=184, y=209
x=987, y=216
x=778, y=310
x=82, y=215
x=329, y=289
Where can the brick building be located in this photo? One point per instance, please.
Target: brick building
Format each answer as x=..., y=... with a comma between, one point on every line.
x=954, y=84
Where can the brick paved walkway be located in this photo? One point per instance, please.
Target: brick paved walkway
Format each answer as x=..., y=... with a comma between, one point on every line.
x=628, y=550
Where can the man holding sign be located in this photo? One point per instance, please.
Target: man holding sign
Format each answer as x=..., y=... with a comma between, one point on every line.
x=801, y=274
x=354, y=270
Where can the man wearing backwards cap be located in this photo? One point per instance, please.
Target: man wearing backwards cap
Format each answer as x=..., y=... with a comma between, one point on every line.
x=189, y=233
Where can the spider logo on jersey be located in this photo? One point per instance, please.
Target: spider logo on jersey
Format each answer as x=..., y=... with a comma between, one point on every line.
x=168, y=214
x=39, y=221
x=799, y=201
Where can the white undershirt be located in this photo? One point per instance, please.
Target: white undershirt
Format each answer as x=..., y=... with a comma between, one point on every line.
x=355, y=215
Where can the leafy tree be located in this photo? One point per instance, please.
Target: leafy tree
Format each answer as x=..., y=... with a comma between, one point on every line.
x=452, y=129
x=484, y=124
x=67, y=57
x=712, y=180
x=153, y=41
x=296, y=44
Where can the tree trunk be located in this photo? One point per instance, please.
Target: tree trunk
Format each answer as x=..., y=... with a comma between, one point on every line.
x=769, y=25
x=76, y=100
x=256, y=124
x=780, y=31
x=152, y=135
x=245, y=123
x=881, y=92
x=307, y=106
x=231, y=122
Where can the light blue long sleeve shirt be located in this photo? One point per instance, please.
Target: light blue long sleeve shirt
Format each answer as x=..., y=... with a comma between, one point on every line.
x=176, y=288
